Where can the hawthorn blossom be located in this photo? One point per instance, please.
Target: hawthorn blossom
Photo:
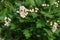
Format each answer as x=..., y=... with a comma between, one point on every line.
x=23, y=11
x=47, y=21
x=44, y=4
x=23, y=14
x=47, y=5
x=58, y=1
x=54, y=28
x=55, y=3
x=31, y=10
x=7, y=21
x=51, y=23
x=36, y=9
x=17, y=11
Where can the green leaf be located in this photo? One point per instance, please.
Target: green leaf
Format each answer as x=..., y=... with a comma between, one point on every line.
x=12, y=26
x=0, y=30
x=29, y=3
x=57, y=32
x=58, y=20
x=18, y=3
x=32, y=2
x=34, y=15
x=49, y=38
x=40, y=23
x=47, y=14
x=3, y=14
x=52, y=1
x=48, y=32
x=39, y=2
x=26, y=33
x=7, y=4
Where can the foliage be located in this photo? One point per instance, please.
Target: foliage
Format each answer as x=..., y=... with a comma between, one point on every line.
x=34, y=26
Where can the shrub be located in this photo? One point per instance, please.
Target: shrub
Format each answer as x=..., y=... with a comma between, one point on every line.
x=29, y=20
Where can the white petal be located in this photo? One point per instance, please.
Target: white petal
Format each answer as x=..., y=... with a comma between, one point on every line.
x=22, y=8
x=9, y=19
x=22, y=14
x=51, y=23
x=5, y=18
x=17, y=11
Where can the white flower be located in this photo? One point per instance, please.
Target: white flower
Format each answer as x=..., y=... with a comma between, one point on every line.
x=47, y=21
x=58, y=1
x=17, y=11
x=36, y=9
x=47, y=5
x=55, y=3
x=31, y=10
x=23, y=14
x=7, y=21
x=56, y=24
x=5, y=18
x=26, y=13
x=44, y=4
x=23, y=11
x=22, y=8
x=26, y=10
x=54, y=28
x=51, y=23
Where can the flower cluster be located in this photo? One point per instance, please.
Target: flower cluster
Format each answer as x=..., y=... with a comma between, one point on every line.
x=45, y=5
x=54, y=3
x=54, y=25
x=24, y=11
x=7, y=21
x=34, y=10
x=54, y=28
